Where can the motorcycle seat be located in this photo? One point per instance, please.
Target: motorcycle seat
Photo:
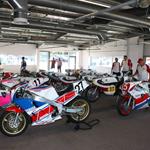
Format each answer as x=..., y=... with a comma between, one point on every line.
x=108, y=84
x=69, y=80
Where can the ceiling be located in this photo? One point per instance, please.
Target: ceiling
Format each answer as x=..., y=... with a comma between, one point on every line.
x=79, y=23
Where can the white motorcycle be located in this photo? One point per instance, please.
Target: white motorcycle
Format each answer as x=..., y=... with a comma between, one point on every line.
x=107, y=84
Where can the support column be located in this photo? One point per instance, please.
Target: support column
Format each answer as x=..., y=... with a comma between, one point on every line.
x=135, y=50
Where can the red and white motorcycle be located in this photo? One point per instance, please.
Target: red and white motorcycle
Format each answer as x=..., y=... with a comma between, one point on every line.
x=43, y=107
x=134, y=95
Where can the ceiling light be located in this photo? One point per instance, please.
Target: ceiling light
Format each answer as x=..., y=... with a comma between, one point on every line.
x=115, y=32
x=99, y=4
x=20, y=21
x=58, y=17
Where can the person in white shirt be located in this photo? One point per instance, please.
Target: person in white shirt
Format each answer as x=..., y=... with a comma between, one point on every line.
x=116, y=67
x=142, y=70
x=126, y=65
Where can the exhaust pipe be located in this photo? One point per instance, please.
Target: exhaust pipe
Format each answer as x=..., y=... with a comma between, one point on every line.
x=20, y=11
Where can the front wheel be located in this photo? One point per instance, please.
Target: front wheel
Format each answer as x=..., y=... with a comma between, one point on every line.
x=82, y=115
x=125, y=105
x=12, y=123
x=92, y=94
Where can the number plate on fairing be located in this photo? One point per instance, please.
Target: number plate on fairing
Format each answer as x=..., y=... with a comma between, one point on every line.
x=112, y=89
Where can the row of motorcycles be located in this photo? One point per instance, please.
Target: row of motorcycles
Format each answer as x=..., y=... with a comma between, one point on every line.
x=45, y=97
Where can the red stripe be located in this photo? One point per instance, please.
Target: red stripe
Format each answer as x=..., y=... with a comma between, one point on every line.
x=66, y=97
x=41, y=113
x=141, y=99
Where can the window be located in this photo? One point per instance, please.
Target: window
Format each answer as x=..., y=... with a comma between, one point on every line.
x=16, y=60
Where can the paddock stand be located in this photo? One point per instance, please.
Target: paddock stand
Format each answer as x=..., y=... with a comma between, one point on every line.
x=84, y=125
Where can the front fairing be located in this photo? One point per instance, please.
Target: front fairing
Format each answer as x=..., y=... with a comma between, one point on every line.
x=47, y=92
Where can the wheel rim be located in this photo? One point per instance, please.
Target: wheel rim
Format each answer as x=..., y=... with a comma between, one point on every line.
x=9, y=125
x=92, y=94
x=124, y=108
x=85, y=110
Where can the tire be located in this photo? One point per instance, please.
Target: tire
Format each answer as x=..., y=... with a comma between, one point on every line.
x=122, y=107
x=74, y=117
x=92, y=94
x=6, y=124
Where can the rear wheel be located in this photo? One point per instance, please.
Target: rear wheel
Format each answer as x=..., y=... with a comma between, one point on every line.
x=12, y=123
x=92, y=94
x=83, y=114
x=125, y=106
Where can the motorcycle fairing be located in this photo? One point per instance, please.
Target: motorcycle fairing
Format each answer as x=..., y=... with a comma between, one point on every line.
x=14, y=109
x=47, y=92
x=5, y=97
x=41, y=112
x=9, y=82
x=66, y=97
x=108, y=88
x=142, y=102
x=80, y=86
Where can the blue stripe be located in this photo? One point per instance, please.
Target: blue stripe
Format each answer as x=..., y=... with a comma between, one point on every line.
x=142, y=104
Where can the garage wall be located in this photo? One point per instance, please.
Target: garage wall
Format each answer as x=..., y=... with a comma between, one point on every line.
x=147, y=49
x=135, y=50
x=18, y=50
x=112, y=49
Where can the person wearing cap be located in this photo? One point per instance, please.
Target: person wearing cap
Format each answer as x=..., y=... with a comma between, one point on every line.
x=126, y=65
x=116, y=67
x=142, y=70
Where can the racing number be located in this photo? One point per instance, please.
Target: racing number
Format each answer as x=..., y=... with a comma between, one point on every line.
x=111, y=89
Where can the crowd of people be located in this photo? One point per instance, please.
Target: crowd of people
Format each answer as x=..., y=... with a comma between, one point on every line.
x=125, y=67
x=142, y=69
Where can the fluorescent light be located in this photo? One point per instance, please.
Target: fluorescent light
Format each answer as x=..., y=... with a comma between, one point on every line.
x=99, y=4
x=113, y=32
x=58, y=17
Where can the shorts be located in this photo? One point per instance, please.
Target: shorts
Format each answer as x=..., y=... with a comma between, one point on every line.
x=58, y=67
x=117, y=73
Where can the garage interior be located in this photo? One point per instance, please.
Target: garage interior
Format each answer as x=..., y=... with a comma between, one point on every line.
x=87, y=34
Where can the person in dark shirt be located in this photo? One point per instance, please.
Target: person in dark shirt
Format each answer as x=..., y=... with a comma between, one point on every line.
x=53, y=63
x=23, y=64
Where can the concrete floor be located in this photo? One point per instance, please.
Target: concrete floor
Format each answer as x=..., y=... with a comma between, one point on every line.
x=113, y=133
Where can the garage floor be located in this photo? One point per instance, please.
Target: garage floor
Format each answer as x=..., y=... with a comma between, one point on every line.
x=113, y=133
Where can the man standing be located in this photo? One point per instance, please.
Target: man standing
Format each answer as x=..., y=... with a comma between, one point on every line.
x=126, y=65
x=116, y=67
x=53, y=63
x=142, y=71
x=23, y=64
x=59, y=65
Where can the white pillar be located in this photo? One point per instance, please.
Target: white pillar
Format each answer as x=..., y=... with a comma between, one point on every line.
x=135, y=50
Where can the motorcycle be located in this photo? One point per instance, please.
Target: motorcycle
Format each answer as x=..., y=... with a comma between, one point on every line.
x=47, y=107
x=106, y=84
x=135, y=95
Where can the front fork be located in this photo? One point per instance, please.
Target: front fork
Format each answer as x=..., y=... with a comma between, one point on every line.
x=95, y=90
x=130, y=99
x=16, y=118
